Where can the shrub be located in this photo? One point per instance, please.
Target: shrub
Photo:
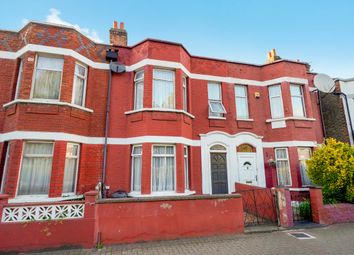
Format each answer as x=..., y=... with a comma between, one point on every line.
x=332, y=167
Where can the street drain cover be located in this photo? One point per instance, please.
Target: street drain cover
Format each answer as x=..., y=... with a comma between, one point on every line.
x=301, y=235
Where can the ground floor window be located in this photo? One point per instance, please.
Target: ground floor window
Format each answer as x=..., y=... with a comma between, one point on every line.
x=136, y=167
x=163, y=168
x=283, y=167
x=186, y=169
x=5, y=165
x=71, y=168
x=36, y=168
x=304, y=154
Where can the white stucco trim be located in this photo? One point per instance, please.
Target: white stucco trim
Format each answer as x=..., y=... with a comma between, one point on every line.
x=290, y=118
x=60, y=136
x=159, y=110
x=230, y=142
x=142, y=63
x=41, y=199
x=162, y=194
x=46, y=102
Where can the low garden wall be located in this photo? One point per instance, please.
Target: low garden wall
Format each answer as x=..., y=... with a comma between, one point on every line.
x=144, y=219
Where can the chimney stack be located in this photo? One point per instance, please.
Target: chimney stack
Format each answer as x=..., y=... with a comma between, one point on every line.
x=118, y=36
x=272, y=56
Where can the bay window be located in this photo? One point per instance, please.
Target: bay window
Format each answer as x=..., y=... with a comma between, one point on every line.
x=241, y=102
x=136, y=167
x=276, y=102
x=5, y=163
x=163, y=168
x=139, y=90
x=79, y=90
x=71, y=168
x=36, y=168
x=283, y=167
x=297, y=100
x=19, y=77
x=47, y=78
x=163, y=89
x=185, y=96
x=216, y=108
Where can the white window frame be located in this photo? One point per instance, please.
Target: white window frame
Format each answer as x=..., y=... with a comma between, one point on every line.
x=243, y=97
x=175, y=170
x=301, y=97
x=74, y=84
x=186, y=167
x=76, y=167
x=20, y=171
x=19, y=78
x=34, y=77
x=283, y=159
x=136, y=82
x=185, y=93
x=218, y=114
x=281, y=100
x=174, y=86
x=5, y=170
x=132, y=167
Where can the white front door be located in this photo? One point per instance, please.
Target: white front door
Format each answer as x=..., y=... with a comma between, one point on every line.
x=247, y=167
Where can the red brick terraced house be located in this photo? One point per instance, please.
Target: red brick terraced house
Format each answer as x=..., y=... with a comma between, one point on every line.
x=176, y=124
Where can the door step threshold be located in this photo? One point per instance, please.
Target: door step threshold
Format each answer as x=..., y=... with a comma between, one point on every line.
x=262, y=229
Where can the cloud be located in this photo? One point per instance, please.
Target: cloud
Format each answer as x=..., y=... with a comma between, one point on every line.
x=54, y=17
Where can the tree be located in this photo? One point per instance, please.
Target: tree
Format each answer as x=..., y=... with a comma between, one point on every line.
x=332, y=167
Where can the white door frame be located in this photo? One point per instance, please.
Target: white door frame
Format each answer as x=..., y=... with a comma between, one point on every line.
x=230, y=142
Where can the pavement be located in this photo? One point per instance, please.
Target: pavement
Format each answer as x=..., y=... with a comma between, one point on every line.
x=334, y=239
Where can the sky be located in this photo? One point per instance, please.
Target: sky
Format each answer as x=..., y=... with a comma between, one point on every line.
x=318, y=32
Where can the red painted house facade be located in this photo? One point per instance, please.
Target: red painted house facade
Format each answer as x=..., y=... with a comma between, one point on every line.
x=177, y=124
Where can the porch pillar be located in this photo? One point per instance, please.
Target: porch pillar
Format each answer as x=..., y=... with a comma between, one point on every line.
x=285, y=209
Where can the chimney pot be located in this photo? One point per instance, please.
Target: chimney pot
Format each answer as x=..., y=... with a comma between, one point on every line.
x=115, y=24
x=121, y=26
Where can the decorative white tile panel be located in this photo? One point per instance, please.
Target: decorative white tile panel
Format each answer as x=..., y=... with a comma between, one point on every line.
x=42, y=212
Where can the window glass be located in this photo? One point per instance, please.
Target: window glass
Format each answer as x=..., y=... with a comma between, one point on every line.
x=283, y=167
x=71, y=168
x=36, y=168
x=276, y=102
x=19, y=77
x=139, y=90
x=241, y=102
x=7, y=145
x=163, y=89
x=304, y=154
x=186, y=169
x=163, y=168
x=79, y=84
x=48, y=78
x=216, y=108
x=297, y=100
x=185, y=96
x=136, y=167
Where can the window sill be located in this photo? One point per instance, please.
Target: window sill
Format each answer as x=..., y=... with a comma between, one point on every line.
x=162, y=194
x=51, y=102
x=159, y=110
x=250, y=120
x=41, y=199
x=216, y=118
x=290, y=118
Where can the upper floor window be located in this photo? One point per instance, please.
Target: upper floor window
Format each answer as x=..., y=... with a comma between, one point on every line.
x=139, y=90
x=276, y=102
x=71, y=168
x=136, y=167
x=163, y=89
x=19, y=77
x=36, y=168
x=47, y=79
x=163, y=168
x=216, y=108
x=241, y=102
x=79, y=90
x=186, y=169
x=185, y=97
x=297, y=100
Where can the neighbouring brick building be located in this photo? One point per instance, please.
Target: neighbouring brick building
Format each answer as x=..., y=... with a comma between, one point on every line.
x=178, y=124
x=338, y=111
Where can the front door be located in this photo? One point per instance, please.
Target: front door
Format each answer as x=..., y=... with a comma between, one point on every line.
x=219, y=173
x=247, y=168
